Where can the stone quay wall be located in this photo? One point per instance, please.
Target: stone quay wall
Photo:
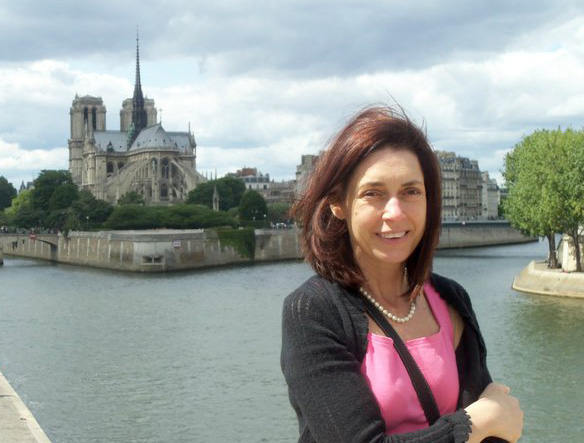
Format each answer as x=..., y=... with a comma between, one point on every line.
x=171, y=250
x=470, y=234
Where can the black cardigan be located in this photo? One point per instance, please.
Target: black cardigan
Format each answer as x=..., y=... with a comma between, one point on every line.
x=324, y=340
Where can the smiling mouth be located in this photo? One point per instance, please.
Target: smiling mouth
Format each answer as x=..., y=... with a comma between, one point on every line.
x=393, y=235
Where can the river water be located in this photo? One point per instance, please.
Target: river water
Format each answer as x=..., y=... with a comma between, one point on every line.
x=101, y=356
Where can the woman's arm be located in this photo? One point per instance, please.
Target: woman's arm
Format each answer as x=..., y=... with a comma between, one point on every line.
x=497, y=414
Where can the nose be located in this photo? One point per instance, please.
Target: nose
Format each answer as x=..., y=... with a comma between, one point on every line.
x=393, y=209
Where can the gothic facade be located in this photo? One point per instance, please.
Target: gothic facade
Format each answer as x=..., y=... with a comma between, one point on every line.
x=141, y=157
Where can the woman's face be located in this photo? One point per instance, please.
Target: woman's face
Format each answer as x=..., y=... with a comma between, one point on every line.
x=385, y=208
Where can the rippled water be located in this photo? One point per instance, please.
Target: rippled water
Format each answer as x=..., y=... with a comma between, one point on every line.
x=113, y=357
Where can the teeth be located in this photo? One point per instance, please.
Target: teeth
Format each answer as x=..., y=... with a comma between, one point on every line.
x=393, y=235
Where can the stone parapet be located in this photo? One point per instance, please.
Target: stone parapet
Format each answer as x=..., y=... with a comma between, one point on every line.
x=17, y=424
x=537, y=278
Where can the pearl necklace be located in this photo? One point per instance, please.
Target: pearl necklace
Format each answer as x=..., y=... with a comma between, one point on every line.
x=384, y=311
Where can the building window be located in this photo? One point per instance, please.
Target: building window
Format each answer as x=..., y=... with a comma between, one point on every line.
x=164, y=168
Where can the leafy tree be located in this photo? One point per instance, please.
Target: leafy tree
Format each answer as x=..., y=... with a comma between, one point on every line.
x=63, y=197
x=22, y=213
x=45, y=185
x=89, y=211
x=531, y=205
x=278, y=212
x=58, y=219
x=230, y=191
x=181, y=216
x=237, y=189
x=6, y=219
x=541, y=174
x=28, y=217
x=7, y=193
x=571, y=188
x=21, y=201
x=134, y=216
x=131, y=198
x=252, y=206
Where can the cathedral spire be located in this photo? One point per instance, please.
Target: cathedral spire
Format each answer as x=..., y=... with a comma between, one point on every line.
x=139, y=117
x=138, y=83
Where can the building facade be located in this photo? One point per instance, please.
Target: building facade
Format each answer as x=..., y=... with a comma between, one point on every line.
x=271, y=191
x=141, y=157
x=491, y=197
x=461, y=187
x=303, y=171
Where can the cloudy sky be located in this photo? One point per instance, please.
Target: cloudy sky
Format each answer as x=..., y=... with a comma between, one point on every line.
x=263, y=82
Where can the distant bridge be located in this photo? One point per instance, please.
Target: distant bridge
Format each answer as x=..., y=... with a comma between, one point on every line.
x=24, y=244
x=14, y=239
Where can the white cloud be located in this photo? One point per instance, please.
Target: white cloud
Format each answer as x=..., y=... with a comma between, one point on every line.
x=17, y=164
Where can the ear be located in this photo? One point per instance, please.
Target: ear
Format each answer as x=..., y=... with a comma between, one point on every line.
x=337, y=211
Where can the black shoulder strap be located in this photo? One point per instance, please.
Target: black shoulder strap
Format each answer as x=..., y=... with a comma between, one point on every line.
x=420, y=384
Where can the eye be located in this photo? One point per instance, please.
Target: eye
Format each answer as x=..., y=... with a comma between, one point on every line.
x=370, y=193
x=413, y=193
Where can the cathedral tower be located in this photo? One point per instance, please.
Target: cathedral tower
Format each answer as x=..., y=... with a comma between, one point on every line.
x=87, y=116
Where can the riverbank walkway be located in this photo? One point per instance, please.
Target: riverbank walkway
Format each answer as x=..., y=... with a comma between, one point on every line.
x=17, y=424
x=537, y=278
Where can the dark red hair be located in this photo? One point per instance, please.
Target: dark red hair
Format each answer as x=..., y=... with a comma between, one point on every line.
x=325, y=238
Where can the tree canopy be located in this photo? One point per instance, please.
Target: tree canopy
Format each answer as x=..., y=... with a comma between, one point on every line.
x=7, y=193
x=252, y=206
x=131, y=198
x=544, y=174
x=230, y=191
x=46, y=184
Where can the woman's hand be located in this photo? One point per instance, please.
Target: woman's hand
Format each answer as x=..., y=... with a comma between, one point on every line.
x=495, y=414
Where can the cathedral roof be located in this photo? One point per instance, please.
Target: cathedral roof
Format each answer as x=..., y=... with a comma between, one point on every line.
x=111, y=140
x=153, y=137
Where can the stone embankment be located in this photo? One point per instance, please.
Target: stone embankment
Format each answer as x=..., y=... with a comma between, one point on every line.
x=171, y=250
x=537, y=278
x=17, y=424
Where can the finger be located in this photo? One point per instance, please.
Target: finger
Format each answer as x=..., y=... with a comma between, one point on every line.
x=502, y=388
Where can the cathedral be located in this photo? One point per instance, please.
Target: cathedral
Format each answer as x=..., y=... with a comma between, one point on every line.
x=142, y=156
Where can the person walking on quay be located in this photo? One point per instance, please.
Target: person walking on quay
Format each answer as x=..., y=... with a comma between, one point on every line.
x=376, y=347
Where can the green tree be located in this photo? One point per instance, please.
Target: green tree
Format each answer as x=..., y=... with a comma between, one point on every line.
x=131, y=198
x=6, y=219
x=22, y=200
x=237, y=190
x=540, y=174
x=90, y=212
x=63, y=197
x=278, y=212
x=571, y=189
x=45, y=185
x=229, y=189
x=531, y=205
x=253, y=207
x=180, y=216
x=7, y=193
x=22, y=213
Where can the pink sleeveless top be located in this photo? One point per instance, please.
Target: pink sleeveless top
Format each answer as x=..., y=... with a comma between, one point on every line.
x=389, y=379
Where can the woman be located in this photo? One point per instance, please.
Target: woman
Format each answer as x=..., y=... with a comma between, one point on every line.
x=370, y=220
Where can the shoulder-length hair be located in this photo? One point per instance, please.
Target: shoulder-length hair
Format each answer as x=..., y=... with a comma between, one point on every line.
x=325, y=238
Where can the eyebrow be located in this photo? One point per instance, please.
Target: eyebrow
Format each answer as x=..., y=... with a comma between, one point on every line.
x=376, y=184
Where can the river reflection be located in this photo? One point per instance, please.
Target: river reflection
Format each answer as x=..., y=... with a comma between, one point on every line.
x=101, y=356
